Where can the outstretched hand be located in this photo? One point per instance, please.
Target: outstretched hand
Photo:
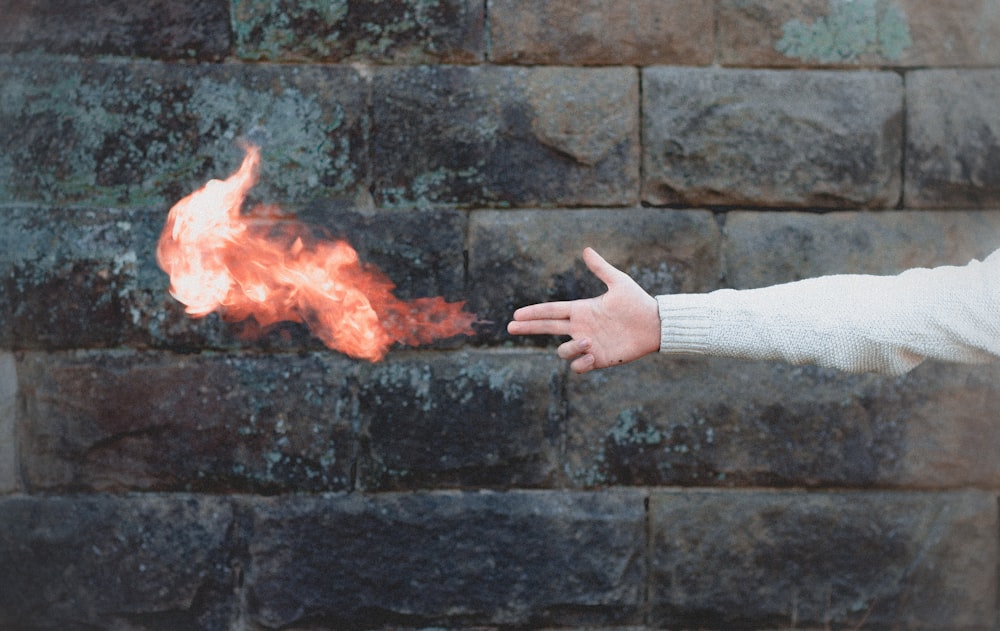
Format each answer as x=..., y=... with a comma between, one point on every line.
x=619, y=326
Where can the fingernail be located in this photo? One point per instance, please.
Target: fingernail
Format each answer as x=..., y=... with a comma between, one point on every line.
x=584, y=344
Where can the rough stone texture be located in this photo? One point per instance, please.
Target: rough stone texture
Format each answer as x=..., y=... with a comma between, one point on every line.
x=523, y=257
x=115, y=562
x=448, y=559
x=697, y=422
x=470, y=420
x=159, y=29
x=9, y=471
x=953, y=139
x=111, y=134
x=763, y=249
x=122, y=420
x=766, y=560
x=903, y=33
x=769, y=138
x=504, y=136
x=599, y=32
x=402, y=31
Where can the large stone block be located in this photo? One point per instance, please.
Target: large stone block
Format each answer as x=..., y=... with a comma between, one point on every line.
x=860, y=33
x=120, y=421
x=9, y=470
x=698, y=422
x=139, y=562
x=767, y=248
x=766, y=560
x=599, y=32
x=505, y=136
x=465, y=419
x=771, y=138
x=448, y=559
x=159, y=29
x=401, y=31
x=523, y=257
x=111, y=134
x=953, y=139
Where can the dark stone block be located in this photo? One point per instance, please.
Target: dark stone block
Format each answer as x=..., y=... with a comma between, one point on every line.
x=401, y=31
x=448, y=559
x=467, y=420
x=502, y=136
x=767, y=560
x=523, y=257
x=141, y=562
x=120, y=421
x=159, y=29
x=114, y=134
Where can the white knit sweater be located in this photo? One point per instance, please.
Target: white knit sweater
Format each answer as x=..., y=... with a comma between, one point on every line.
x=855, y=323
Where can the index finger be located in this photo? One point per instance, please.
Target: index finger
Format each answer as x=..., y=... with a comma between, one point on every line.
x=544, y=311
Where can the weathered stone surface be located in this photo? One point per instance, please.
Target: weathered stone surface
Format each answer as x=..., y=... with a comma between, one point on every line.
x=402, y=31
x=860, y=33
x=9, y=471
x=770, y=138
x=602, y=32
x=122, y=420
x=953, y=142
x=112, y=134
x=454, y=559
x=468, y=420
x=765, y=560
x=523, y=257
x=505, y=136
x=763, y=248
x=140, y=562
x=159, y=29
x=727, y=423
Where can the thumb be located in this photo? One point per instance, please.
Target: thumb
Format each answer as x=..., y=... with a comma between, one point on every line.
x=605, y=271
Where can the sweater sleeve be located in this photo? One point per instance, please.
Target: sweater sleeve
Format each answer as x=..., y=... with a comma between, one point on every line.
x=855, y=323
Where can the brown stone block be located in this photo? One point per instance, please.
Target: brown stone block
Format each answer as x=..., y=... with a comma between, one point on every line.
x=159, y=29
x=461, y=560
x=505, y=136
x=599, y=32
x=953, y=139
x=768, y=560
x=772, y=138
x=124, y=421
x=399, y=31
x=523, y=257
x=698, y=422
x=905, y=33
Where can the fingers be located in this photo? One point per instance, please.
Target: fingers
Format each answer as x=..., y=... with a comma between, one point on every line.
x=544, y=311
x=579, y=352
x=538, y=327
x=605, y=271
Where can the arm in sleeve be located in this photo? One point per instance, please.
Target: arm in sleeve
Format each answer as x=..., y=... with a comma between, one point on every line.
x=855, y=323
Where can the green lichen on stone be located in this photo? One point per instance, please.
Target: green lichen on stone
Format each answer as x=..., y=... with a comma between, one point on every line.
x=271, y=29
x=853, y=28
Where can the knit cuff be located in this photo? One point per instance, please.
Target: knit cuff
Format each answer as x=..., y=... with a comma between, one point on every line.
x=685, y=323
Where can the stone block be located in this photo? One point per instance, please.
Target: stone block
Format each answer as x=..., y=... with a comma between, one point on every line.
x=766, y=560
x=130, y=421
x=523, y=257
x=953, y=139
x=505, y=136
x=461, y=420
x=9, y=470
x=767, y=248
x=772, y=138
x=400, y=31
x=906, y=33
x=596, y=32
x=100, y=134
x=724, y=423
x=139, y=562
x=158, y=29
x=448, y=559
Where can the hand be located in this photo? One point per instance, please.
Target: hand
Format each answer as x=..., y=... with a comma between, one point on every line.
x=619, y=326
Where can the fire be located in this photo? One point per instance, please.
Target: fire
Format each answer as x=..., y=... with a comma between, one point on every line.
x=255, y=266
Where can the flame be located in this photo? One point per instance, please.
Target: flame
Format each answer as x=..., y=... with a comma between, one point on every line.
x=254, y=266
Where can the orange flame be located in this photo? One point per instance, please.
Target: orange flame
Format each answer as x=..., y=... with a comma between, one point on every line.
x=242, y=267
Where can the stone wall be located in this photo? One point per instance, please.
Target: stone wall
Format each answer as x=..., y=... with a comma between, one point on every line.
x=159, y=472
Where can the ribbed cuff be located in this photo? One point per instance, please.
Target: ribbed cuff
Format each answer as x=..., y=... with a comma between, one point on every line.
x=685, y=323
